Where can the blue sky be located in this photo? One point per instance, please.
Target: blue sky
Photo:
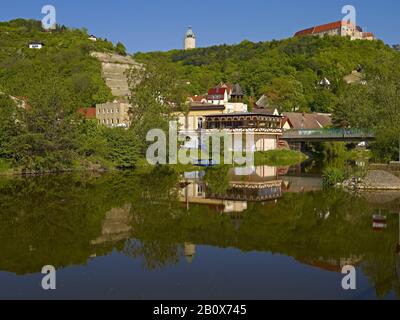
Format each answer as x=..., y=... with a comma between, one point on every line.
x=149, y=25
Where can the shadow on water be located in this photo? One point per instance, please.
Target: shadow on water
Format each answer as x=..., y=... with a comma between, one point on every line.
x=164, y=220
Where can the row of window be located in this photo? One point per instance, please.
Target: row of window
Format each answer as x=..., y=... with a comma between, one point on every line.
x=241, y=124
x=110, y=121
x=107, y=111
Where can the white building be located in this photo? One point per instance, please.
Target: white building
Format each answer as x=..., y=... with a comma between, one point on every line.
x=36, y=45
x=92, y=38
x=190, y=40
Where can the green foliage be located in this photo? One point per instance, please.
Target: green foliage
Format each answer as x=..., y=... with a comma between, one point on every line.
x=278, y=158
x=376, y=105
x=332, y=176
x=9, y=124
x=156, y=95
x=49, y=134
x=217, y=179
x=66, y=53
x=122, y=148
x=120, y=49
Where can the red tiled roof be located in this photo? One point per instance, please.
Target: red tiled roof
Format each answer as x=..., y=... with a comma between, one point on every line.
x=217, y=91
x=323, y=28
x=305, y=32
x=88, y=113
x=198, y=98
x=368, y=34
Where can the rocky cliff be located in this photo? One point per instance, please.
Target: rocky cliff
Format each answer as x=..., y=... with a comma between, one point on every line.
x=114, y=67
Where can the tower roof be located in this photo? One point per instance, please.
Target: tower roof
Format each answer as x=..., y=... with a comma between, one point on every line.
x=190, y=33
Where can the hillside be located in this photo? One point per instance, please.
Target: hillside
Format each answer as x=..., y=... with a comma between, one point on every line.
x=288, y=71
x=65, y=56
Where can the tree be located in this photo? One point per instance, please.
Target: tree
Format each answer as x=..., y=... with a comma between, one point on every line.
x=120, y=49
x=10, y=118
x=48, y=138
x=286, y=94
x=376, y=106
x=157, y=95
x=122, y=147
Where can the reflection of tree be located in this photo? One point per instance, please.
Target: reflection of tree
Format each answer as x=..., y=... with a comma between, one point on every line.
x=156, y=254
x=54, y=219
x=217, y=179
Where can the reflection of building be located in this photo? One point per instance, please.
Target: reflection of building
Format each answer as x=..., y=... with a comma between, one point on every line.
x=116, y=226
x=190, y=251
x=262, y=184
x=301, y=184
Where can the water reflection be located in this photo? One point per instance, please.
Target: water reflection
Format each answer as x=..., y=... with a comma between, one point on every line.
x=164, y=220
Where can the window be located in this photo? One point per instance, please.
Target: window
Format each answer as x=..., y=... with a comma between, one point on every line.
x=200, y=123
x=200, y=190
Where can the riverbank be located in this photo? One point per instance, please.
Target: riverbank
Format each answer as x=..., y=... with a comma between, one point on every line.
x=373, y=180
x=269, y=158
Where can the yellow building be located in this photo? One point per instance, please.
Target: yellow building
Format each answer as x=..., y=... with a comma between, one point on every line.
x=113, y=114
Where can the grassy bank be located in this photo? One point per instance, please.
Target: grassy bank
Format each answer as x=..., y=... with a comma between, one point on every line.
x=279, y=158
x=268, y=158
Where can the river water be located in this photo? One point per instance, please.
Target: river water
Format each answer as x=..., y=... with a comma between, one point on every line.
x=273, y=233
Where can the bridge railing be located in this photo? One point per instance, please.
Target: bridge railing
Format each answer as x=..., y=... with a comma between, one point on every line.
x=330, y=133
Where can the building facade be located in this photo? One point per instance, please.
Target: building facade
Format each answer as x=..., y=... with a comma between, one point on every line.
x=265, y=130
x=113, y=114
x=338, y=28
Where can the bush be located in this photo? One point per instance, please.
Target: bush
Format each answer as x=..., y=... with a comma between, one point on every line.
x=332, y=176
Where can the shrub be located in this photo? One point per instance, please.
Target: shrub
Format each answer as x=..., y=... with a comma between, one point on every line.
x=332, y=176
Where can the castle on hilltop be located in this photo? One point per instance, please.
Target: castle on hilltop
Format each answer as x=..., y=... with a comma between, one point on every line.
x=339, y=28
x=190, y=40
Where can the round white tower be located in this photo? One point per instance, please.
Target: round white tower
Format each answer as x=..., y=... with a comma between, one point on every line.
x=190, y=39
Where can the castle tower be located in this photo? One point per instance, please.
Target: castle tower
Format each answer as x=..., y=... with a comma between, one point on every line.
x=190, y=39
